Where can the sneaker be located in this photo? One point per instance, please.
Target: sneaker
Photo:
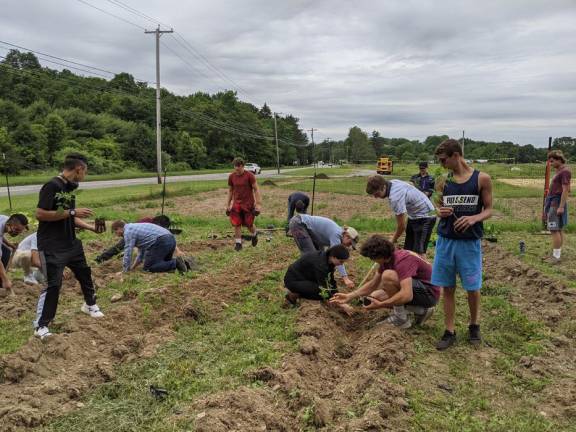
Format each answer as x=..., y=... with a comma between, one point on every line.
x=181, y=265
x=474, y=334
x=552, y=260
x=42, y=332
x=420, y=319
x=30, y=279
x=191, y=263
x=255, y=239
x=238, y=247
x=447, y=340
x=93, y=311
x=291, y=299
x=395, y=320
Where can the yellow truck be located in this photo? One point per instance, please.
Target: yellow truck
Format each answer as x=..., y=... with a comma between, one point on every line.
x=384, y=165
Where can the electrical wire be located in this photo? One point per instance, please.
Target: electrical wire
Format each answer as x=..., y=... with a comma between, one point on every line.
x=111, y=14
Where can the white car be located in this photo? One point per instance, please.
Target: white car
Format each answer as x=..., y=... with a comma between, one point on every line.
x=253, y=168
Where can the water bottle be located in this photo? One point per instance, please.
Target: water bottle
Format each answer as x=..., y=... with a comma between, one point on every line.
x=522, y=247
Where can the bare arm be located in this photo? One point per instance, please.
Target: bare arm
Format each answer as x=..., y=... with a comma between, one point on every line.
x=563, y=197
x=403, y=296
x=51, y=215
x=364, y=290
x=465, y=222
x=230, y=196
x=81, y=224
x=400, y=227
x=257, y=196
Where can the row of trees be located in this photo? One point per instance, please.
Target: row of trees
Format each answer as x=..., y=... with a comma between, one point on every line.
x=45, y=113
x=358, y=146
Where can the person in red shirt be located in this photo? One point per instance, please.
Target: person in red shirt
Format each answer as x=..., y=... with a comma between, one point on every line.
x=556, y=207
x=402, y=283
x=244, y=202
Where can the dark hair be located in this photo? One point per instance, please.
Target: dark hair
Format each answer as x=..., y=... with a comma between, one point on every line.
x=377, y=246
x=376, y=183
x=423, y=165
x=238, y=162
x=300, y=206
x=161, y=220
x=448, y=147
x=72, y=160
x=18, y=218
x=339, y=252
x=117, y=224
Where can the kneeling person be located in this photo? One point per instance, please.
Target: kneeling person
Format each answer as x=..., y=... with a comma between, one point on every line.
x=312, y=275
x=27, y=258
x=156, y=246
x=402, y=282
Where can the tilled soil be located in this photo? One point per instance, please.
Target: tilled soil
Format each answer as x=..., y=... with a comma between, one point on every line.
x=44, y=379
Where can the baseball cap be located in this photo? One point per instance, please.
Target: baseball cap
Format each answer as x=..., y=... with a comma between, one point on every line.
x=423, y=165
x=353, y=235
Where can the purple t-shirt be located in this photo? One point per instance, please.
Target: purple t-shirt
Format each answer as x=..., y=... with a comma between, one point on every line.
x=409, y=265
x=561, y=178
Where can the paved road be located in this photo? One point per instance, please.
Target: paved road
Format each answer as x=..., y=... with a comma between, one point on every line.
x=102, y=184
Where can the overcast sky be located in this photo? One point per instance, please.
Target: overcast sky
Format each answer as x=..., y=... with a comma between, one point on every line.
x=499, y=69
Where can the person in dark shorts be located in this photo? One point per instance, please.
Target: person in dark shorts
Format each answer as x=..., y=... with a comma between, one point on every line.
x=402, y=283
x=423, y=181
x=556, y=206
x=406, y=202
x=244, y=202
x=297, y=202
x=58, y=246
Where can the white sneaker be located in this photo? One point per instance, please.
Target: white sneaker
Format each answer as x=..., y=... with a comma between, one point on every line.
x=30, y=279
x=395, y=320
x=93, y=311
x=42, y=332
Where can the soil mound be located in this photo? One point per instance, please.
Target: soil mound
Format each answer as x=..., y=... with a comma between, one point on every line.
x=269, y=183
x=322, y=176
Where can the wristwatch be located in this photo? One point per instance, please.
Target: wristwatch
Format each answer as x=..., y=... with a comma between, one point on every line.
x=72, y=212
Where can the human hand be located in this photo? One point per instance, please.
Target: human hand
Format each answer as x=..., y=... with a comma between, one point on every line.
x=375, y=304
x=348, y=282
x=340, y=298
x=560, y=211
x=83, y=212
x=445, y=212
x=7, y=284
x=464, y=222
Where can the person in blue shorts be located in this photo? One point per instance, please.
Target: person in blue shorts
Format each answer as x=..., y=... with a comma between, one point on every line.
x=465, y=202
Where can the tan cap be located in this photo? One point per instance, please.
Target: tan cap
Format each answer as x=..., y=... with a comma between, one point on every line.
x=353, y=235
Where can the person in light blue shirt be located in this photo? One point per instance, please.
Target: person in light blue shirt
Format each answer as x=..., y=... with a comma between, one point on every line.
x=156, y=246
x=313, y=233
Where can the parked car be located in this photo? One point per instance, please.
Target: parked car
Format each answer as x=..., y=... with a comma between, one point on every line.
x=253, y=168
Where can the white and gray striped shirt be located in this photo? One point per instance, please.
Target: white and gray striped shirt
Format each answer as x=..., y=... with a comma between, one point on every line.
x=405, y=198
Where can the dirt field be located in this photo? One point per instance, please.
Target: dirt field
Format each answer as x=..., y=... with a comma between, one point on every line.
x=529, y=182
x=346, y=374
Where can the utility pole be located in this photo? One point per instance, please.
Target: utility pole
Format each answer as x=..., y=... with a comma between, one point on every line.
x=313, y=145
x=463, y=143
x=158, y=33
x=329, y=141
x=276, y=137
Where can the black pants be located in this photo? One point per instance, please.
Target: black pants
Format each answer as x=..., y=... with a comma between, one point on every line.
x=6, y=254
x=53, y=264
x=306, y=288
x=418, y=233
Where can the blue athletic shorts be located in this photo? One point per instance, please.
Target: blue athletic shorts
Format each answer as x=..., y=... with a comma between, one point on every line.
x=452, y=257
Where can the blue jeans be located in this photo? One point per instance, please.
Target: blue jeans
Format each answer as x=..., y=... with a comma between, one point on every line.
x=159, y=257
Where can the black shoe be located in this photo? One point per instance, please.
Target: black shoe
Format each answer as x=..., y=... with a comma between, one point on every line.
x=474, y=334
x=238, y=247
x=254, y=239
x=447, y=340
x=291, y=300
x=181, y=265
x=191, y=263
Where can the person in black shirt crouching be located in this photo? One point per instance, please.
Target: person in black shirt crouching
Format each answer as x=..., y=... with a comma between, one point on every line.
x=57, y=243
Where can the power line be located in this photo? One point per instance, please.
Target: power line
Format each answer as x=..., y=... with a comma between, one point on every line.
x=111, y=14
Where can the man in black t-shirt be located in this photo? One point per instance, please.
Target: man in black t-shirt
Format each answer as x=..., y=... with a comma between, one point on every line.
x=57, y=243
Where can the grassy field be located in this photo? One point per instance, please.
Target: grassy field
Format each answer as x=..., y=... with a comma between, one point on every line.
x=239, y=327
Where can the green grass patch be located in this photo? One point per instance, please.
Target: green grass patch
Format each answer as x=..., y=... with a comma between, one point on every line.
x=14, y=333
x=204, y=358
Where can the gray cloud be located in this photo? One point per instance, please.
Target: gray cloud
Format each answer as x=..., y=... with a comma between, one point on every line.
x=500, y=70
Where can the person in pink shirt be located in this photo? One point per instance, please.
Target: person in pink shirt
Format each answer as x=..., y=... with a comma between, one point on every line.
x=401, y=283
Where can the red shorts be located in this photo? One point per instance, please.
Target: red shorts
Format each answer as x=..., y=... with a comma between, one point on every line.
x=240, y=216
